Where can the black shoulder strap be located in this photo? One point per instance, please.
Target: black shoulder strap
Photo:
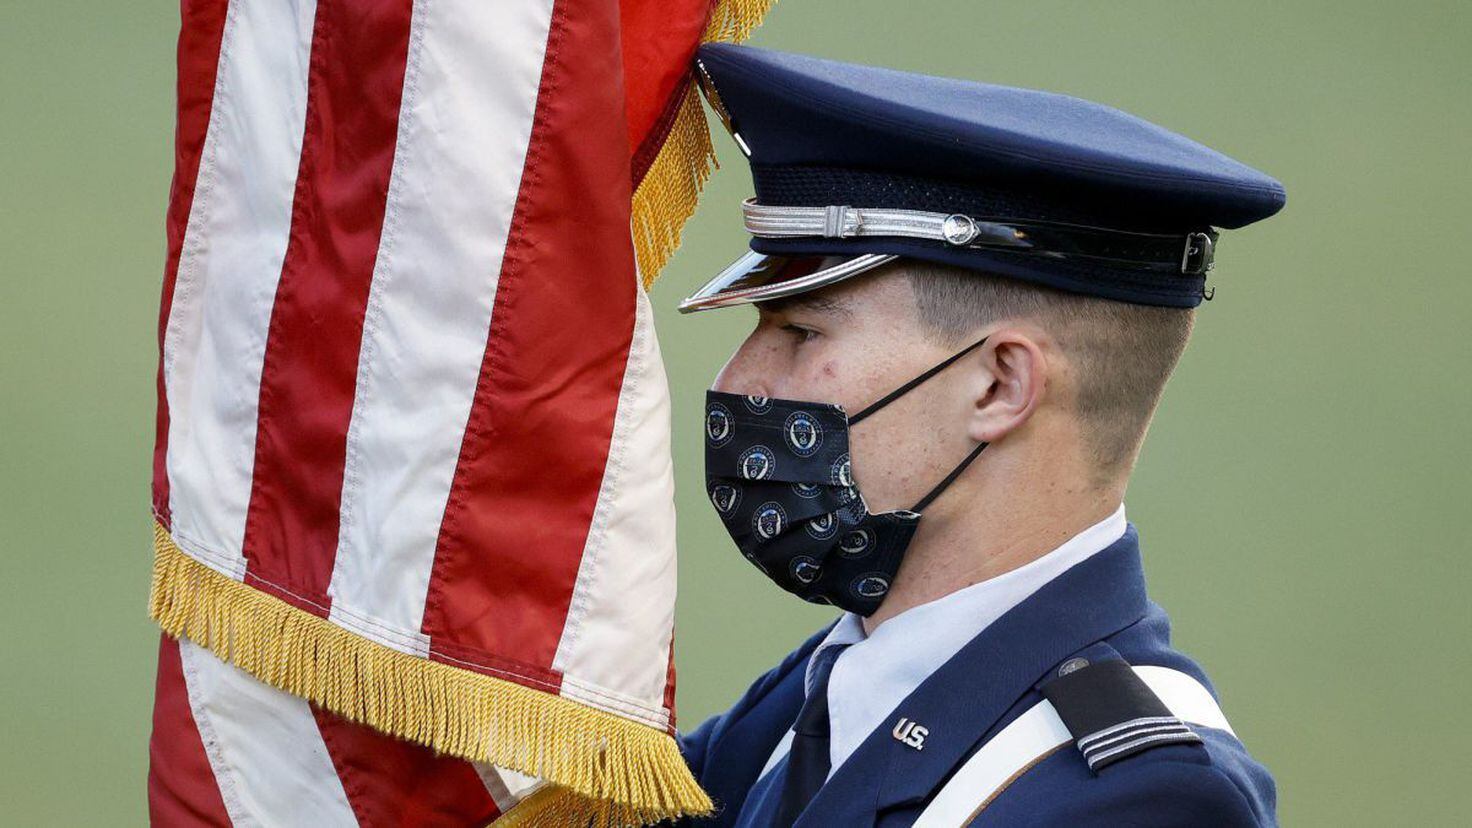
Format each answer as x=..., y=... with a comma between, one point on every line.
x=1111, y=713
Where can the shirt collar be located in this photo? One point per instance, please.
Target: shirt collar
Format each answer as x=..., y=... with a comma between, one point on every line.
x=879, y=670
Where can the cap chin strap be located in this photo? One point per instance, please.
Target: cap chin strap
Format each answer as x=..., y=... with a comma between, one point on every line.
x=907, y=388
x=1189, y=254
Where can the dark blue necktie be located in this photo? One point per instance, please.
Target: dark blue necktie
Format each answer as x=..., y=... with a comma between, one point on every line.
x=807, y=762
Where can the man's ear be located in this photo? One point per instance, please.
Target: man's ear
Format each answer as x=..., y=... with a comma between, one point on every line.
x=1011, y=381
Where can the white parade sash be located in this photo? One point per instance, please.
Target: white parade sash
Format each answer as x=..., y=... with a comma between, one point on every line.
x=1037, y=733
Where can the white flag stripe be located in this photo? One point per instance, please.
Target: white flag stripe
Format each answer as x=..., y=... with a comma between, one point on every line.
x=264, y=746
x=506, y=787
x=470, y=90
x=230, y=264
x=630, y=549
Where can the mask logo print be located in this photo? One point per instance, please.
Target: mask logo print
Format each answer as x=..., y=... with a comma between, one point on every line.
x=769, y=521
x=842, y=472
x=856, y=543
x=772, y=466
x=757, y=463
x=803, y=434
x=725, y=498
x=871, y=586
x=807, y=490
x=758, y=404
x=805, y=570
x=823, y=527
x=718, y=425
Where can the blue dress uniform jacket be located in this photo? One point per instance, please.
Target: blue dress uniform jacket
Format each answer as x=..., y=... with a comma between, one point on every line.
x=1097, y=610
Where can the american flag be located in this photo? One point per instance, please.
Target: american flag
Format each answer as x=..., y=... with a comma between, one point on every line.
x=412, y=480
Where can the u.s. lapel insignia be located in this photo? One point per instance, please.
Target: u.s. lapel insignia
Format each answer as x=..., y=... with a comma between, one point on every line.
x=910, y=733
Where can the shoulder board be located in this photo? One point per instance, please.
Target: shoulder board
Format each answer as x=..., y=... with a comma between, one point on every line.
x=1111, y=713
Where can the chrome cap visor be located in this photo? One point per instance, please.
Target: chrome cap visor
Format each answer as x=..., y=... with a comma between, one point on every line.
x=758, y=277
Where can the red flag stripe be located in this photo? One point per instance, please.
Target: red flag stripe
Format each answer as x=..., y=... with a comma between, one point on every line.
x=182, y=789
x=201, y=27
x=311, y=360
x=669, y=682
x=537, y=439
x=393, y=782
x=658, y=41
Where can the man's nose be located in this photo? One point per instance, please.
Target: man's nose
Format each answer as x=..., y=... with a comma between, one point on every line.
x=749, y=371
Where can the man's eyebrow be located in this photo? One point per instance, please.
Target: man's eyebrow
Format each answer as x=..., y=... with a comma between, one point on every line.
x=809, y=302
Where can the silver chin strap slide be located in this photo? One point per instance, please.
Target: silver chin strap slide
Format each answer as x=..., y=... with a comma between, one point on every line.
x=1189, y=254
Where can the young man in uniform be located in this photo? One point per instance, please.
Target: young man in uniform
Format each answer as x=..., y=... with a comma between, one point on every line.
x=969, y=300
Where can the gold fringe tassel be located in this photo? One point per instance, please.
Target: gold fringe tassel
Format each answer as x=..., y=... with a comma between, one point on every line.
x=665, y=199
x=667, y=196
x=733, y=21
x=617, y=771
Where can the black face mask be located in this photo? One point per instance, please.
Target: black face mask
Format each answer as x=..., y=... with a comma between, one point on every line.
x=779, y=474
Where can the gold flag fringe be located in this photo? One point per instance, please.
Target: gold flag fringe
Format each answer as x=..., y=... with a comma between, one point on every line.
x=733, y=21
x=666, y=197
x=617, y=771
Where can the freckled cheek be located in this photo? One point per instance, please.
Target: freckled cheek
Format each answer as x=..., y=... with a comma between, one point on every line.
x=878, y=469
x=816, y=379
x=895, y=463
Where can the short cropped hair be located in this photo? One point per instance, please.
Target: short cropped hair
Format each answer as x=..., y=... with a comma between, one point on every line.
x=1122, y=353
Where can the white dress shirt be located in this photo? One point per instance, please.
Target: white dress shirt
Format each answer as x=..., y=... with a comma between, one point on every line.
x=878, y=671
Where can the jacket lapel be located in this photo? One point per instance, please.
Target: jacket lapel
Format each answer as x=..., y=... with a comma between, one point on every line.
x=961, y=703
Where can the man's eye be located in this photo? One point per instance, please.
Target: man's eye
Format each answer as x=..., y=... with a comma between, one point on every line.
x=802, y=334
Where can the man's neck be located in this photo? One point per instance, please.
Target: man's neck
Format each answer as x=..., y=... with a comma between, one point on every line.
x=988, y=535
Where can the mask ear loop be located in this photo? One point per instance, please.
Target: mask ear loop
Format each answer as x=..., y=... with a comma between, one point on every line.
x=910, y=386
x=950, y=478
x=905, y=389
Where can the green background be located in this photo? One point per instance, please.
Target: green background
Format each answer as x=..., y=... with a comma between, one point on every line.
x=1302, y=499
